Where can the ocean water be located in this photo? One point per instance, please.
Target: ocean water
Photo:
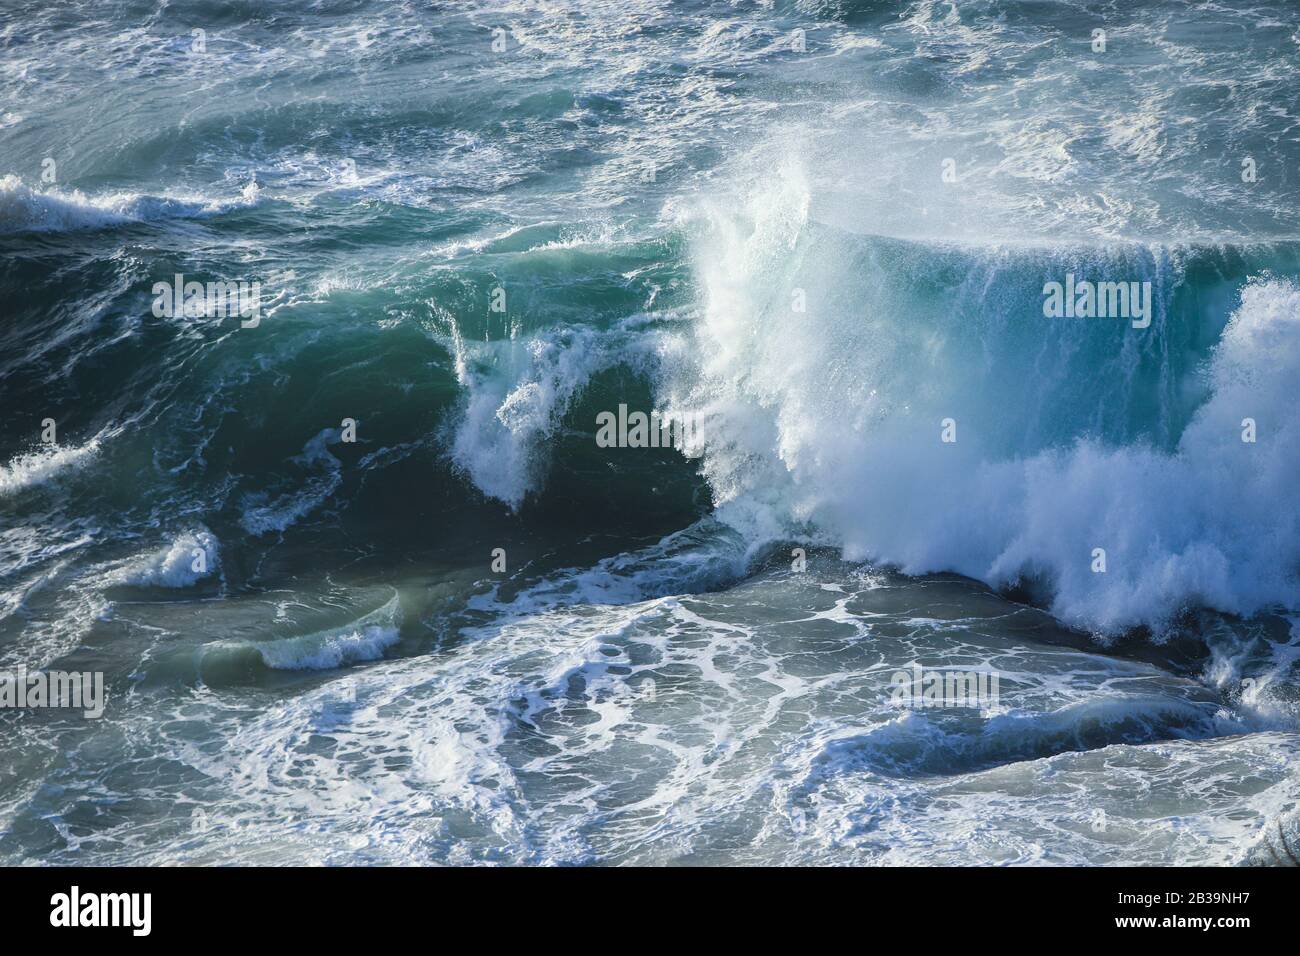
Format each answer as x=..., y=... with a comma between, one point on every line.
x=365, y=587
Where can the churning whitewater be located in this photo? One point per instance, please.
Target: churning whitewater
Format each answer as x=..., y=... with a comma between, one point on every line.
x=336, y=337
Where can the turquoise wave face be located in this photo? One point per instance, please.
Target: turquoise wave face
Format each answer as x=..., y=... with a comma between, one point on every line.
x=952, y=298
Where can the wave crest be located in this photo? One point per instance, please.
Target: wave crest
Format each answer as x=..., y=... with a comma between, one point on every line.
x=23, y=209
x=1071, y=435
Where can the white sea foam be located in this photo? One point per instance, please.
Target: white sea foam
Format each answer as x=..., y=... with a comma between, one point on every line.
x=1278, y=843
x=674, y=723
x=516, y=391
x=326, y=651
x=40, y=467
x=823, y=416
x=515, y=394
x=23, y=209
x=190, y=557
x=364, y=639
x=704, y=556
